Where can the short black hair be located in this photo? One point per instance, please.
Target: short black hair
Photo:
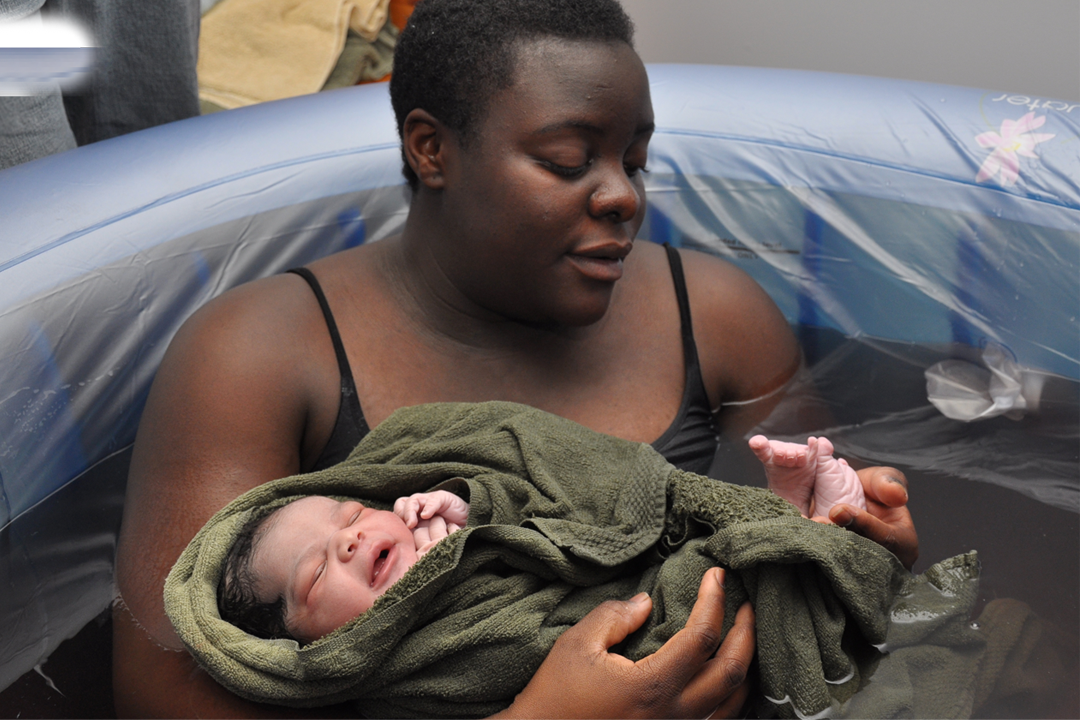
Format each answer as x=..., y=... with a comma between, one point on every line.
x=454, y=55
x=237, y=601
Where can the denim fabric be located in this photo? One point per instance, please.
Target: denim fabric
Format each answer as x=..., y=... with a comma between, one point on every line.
x=18, y=9
x=144, y=75
x=145, y=69
x=32, y=127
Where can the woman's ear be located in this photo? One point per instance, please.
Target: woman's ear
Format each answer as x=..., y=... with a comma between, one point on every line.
x=424, y=138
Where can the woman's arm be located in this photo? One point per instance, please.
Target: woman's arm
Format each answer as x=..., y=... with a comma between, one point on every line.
x=229, y=409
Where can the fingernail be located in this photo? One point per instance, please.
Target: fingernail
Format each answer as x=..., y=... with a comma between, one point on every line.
x=898, y=481
x=720, y=576
x=639, y=598
x=842, y=517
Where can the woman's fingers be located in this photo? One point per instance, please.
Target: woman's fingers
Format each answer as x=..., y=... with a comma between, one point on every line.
x=885, y=485
x=609, y=624
x=579, y=677
x=732, y=707
x=704, y=676
x=688, y=650
x=720, y=685
x=687, y=677
x=886, y=519
x=727, y=671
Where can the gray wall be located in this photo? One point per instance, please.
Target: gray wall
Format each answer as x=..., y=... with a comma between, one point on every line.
x=1030, y=47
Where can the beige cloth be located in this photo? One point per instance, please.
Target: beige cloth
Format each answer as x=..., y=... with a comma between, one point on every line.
x=257, y=50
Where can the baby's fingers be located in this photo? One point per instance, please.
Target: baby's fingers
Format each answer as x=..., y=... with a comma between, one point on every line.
x=422, y=535
x=435, y=503
x=437, y=528
x=405, y=508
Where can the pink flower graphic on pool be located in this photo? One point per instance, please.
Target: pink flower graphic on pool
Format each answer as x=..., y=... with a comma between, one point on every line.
x=1014, y=139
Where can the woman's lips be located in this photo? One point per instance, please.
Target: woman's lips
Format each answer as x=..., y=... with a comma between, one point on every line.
x=604, y=264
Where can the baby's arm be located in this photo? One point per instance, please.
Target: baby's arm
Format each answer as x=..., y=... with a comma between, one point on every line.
x=431, y=516
x=801, y=473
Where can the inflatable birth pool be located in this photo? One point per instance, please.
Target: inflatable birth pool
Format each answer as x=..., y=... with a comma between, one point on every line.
x=897, y=225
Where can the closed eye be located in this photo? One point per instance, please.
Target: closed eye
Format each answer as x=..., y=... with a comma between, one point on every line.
x=565, y=170
x=315, y=578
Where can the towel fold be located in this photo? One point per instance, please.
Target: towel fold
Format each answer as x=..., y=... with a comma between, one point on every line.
x=561, y=519
x=257, y=50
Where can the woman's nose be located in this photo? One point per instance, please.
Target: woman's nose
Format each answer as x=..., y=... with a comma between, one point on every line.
x=346, y=543
x=616, y=197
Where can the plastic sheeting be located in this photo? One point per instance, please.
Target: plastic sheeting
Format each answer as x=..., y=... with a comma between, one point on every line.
x=916, y=215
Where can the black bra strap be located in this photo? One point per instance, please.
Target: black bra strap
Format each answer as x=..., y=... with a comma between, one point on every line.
x=690, y=356
x=335, y=336
x=350, y=426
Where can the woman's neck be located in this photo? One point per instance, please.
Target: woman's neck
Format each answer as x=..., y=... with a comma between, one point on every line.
x=438, y=306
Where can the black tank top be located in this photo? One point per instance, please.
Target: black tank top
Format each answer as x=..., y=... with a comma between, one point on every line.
x=689, y=443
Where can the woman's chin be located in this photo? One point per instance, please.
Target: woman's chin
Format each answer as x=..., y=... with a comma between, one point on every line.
x=579, y=315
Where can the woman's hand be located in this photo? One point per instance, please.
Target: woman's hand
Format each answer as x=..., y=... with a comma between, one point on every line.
x=886, y=519
x=687, y=677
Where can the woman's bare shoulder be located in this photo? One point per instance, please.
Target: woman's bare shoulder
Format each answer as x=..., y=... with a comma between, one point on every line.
x=249, y=358
x=227, y=411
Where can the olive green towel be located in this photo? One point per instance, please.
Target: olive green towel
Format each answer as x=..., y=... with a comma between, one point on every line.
x=562, y=518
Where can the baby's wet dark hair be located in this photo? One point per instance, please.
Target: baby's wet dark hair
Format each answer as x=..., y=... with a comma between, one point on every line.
x=237, y=601
x=454, y=55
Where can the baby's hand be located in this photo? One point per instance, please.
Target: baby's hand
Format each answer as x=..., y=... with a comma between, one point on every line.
x=431, y=516
x=424, y=506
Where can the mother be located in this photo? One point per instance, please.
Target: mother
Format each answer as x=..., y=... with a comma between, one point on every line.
x=525, y=127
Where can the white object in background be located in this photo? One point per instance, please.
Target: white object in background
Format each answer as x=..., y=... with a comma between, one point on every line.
x=38, y=54
x=965, y=391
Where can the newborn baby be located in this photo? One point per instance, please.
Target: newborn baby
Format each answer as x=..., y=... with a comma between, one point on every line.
x=317, y=563
x=808, y=476
x=559, y=519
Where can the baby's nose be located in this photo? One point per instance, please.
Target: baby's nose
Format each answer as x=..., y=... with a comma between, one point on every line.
x=346, y=543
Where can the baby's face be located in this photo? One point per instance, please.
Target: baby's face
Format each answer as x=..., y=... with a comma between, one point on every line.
x=329, y=560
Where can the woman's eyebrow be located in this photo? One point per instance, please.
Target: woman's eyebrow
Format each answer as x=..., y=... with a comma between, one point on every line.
x=570, y=125
x=589, y=127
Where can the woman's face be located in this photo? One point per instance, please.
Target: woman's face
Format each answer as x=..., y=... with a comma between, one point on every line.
x=544, y=205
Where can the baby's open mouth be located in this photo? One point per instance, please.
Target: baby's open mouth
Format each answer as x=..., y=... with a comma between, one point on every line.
x=378, y=566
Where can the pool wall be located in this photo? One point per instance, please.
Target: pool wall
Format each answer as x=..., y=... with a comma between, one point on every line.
x=906, y=212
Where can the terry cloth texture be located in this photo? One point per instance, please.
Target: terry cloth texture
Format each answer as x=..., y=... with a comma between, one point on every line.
x=257, y=50
x=561, y=519
x=364, y=61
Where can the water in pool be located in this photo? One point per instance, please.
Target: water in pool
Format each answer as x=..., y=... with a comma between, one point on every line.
x=1008, y=489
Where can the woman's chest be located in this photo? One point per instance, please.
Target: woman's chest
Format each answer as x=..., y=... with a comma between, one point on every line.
x=624, y=383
